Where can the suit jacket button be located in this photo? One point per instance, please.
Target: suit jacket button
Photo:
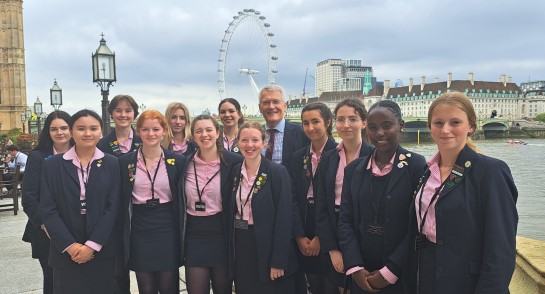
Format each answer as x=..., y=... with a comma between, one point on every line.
x=440, y=269
x=389, y=197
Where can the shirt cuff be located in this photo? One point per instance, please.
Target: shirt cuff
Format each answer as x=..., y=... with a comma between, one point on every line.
x=354, y=269
x=93, y=245
x=388, y=275
x=65, y=249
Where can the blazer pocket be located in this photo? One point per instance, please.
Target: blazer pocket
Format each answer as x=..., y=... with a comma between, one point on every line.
x=475, y=267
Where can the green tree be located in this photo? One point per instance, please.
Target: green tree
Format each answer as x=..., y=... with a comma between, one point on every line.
x=540, y=117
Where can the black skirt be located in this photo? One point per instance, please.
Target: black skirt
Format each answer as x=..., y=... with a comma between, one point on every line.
x=155, y=239
x=95, y=276
x=247, y=268
x=310, y=264
x=205, y=244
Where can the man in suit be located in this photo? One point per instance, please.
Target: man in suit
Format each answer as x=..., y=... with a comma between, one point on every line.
x=283, y=137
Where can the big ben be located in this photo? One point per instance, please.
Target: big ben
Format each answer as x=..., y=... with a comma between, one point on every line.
x=12, y=65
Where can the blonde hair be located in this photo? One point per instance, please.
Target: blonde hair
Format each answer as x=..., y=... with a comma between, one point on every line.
x=171, y=108
x=461, y=101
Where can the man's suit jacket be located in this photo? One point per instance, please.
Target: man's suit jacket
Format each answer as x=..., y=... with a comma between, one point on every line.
x=476, y=227
x=60, y=207
x=294, y=138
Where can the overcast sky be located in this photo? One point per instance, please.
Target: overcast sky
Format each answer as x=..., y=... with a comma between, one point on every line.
x=167, y=50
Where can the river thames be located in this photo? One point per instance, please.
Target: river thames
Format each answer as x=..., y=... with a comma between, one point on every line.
x=527, y=163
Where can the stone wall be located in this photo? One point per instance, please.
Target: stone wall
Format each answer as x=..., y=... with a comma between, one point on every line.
x=529, y=275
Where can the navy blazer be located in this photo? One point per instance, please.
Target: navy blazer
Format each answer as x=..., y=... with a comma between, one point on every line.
x=476, y=227
x=60, y=206
x=356, y=244
x=229, y=161
x=108, y=143
x=271, y=210
x=301, y=176
x=175, y=170
x=326, y=220
x=30, y=200
x=294, y=138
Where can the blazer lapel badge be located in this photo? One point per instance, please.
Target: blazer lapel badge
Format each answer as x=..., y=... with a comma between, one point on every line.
x=132, y=171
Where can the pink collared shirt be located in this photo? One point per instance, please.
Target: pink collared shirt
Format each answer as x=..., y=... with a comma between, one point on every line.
x=228, y=144
x=179, y=148
x=211, y=192
x=71, y=155
x=126, y=146
x=433, y=183
x=243, y=192
x=376, y=170
x=141, y=191
x=340, y=171
x=315, y=160
x=372, y=165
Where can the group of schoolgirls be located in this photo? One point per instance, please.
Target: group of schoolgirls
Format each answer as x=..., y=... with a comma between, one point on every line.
x=364, y=215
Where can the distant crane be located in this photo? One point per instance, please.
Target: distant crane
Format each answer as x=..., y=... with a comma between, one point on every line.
x=305, y=84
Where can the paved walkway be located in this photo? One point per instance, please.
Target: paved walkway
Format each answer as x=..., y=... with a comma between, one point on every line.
x=19, y=272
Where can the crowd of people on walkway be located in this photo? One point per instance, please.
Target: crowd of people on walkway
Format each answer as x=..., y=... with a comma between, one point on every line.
x=274, y=208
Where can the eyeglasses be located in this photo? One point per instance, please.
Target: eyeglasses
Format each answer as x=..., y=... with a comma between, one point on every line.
x=351, y=120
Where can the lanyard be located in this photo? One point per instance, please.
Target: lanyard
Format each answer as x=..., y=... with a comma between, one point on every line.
x=376, y=205
x=437, y=191
x=83, y=174
x=149, y=175
x=247, y=197
x=227, y=139
x=200, y=192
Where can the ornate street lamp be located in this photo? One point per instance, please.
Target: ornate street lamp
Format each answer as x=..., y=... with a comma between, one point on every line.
x=38, y=106
x=23, y=120
x=28, y=114
x=104, y=75
x=56, y=95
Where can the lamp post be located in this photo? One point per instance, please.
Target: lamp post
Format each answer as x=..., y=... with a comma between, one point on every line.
x=23, y=120
x=38, y=110
x=104, y=75
x=55, y=93
x=28, y=115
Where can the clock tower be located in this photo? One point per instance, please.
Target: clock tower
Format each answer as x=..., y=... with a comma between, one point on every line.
x=12, y=65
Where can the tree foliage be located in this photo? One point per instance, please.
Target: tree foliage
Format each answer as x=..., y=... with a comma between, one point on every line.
x=540, y=117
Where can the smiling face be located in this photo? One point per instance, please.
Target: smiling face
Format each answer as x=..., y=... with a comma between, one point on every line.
x=151, y=132
x=314, y=125
x=123, y=114
x=205, y=134
x=178, y=121
x=383, y=129
x=59, y=131
x=229, y=115
x=272, y=107
x=349, y=124
x=450, y=127
x=250, y=142
x=86, y=132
